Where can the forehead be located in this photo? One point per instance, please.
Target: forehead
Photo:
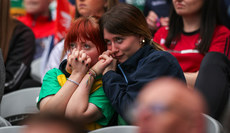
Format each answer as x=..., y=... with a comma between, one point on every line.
x=160, y=92
x=107, y=34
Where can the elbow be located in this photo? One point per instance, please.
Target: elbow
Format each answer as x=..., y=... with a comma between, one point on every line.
x=72, y=113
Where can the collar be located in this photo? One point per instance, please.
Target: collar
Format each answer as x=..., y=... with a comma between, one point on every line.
x=62, y=68
x=39, y=18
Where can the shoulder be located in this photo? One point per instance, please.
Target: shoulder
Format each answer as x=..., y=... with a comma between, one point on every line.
x=52, y=73
x=22, y=29
x=164, y=29
x=161, y=34
x=221, y=30
x=159, y=57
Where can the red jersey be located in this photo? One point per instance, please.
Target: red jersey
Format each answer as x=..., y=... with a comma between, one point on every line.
x=184, y=50
x=41, y=27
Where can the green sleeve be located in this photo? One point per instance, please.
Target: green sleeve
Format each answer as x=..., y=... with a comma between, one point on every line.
x=99, y=99
x=50, y=85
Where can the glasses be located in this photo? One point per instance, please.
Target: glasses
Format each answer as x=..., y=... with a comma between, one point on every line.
x=156, y=109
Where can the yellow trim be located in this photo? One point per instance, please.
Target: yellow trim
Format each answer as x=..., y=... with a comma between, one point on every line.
x=14, y=11
x=61, y=79
x=93, y=126
x=96, y=85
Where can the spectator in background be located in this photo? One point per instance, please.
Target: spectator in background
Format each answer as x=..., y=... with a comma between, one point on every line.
x=167, y=105
x=38, y=18
x=83, y=8
x=213, y=81
x=51, y=123
x=192, y=33
x=17, y=42
x=136, y=59
x=157, y=12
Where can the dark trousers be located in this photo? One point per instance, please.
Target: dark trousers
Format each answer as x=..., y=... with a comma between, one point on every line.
x=213, y=82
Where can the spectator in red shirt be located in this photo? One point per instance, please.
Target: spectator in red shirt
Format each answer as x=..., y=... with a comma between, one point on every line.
x=192, y=33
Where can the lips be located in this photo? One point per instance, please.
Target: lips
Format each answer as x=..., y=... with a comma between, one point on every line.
x=81, y=6
x=118, y=57
x=178, y=5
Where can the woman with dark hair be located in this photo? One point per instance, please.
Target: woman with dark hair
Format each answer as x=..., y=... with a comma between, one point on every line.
x=75, y=90
x=17, y=42
x=194, y=30
x=136, y=60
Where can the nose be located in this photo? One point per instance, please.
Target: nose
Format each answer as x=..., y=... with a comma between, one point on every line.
x=114, y=48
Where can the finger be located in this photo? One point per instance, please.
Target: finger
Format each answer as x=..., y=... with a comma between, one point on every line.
x=104, y=56
x=152, y=14
x=88, y=62
x=76, y=55
x=70, y=59
x=83, y=57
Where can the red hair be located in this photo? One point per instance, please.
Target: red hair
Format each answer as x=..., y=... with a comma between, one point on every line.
x=85, y=28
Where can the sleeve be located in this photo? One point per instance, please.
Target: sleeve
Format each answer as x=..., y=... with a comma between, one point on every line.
x=160, y=34
x=99, y=99
x=20, y=56
x=219, y=39
x=122, y=95
x=50, y=85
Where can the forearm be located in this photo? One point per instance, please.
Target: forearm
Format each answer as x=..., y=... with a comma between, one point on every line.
x=79, y=106
x=191, y=78
x=58, y=102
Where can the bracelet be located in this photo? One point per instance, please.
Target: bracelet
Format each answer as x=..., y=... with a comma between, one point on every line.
x=92, y=73
x=73, y=81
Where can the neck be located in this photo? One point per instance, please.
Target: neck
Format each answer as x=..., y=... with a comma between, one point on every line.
x=99, y=13
x=191, y=23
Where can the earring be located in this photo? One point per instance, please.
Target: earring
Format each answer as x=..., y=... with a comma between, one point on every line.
x=142, y=42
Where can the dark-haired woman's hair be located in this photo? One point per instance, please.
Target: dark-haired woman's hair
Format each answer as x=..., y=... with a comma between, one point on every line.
x=208, y=22
x=127, y=20
x=7, y=26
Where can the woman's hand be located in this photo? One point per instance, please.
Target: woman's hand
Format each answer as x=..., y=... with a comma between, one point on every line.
x=78, y=62
x=108, y=55
x=104, y=60
x=152, y=20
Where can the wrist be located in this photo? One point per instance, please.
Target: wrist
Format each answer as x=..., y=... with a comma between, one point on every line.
x=92, y=73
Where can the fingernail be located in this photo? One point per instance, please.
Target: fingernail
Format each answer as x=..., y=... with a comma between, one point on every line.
x=83, y=61
x=75, y=58
x=87, y=65
x=70, y=65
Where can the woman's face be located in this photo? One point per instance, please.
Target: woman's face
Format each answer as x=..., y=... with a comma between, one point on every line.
x=187, y=7
x=37, y=6
x=91, y=7
x=89, y=48
x=122, y=46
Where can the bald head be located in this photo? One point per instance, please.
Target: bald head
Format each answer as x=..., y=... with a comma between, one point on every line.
x=169, y=106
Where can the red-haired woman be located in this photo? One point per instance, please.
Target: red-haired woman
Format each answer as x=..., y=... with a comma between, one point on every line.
x=75, y=90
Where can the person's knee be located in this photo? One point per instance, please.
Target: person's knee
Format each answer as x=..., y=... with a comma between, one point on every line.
x=214, y=59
